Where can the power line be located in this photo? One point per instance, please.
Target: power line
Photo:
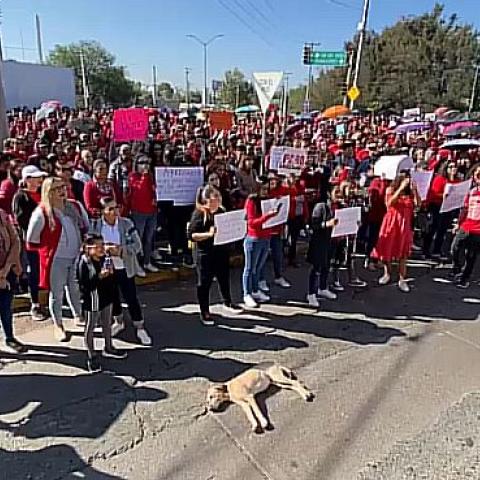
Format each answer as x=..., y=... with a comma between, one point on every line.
x=340, y=3
x=259, y=12
x=246, y=24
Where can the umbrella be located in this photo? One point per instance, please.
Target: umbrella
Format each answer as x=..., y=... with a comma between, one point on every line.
x=292, y=129
x=441, y=111
x=461, y=143
x=247, y=109
x=411, y=127
x=336, y=111
x=456, y=125
x=473, y=130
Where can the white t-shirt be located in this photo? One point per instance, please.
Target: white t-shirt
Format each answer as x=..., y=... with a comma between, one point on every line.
x=111, y=234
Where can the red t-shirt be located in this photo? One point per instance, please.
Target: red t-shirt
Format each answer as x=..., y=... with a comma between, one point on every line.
x=142, y=197
x=255, y=221
x=470, y=220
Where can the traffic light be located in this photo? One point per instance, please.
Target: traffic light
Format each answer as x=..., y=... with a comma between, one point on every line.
x=307, y=55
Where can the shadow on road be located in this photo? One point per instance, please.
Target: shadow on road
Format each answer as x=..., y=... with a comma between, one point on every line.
x=44, y=464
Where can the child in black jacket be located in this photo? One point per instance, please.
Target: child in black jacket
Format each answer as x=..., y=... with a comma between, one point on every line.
x=97, y=287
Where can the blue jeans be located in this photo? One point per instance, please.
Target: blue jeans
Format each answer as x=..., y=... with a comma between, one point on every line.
x=33, y=274
x=256, y=253
x=276, y=247
x=146, y=224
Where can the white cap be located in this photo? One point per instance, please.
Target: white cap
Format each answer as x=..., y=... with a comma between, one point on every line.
x=31, y=171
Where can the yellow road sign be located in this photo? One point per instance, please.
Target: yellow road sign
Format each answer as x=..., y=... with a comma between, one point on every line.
x=353, y=93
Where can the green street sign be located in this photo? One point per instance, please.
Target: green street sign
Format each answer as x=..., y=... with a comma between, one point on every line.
x=333, y=59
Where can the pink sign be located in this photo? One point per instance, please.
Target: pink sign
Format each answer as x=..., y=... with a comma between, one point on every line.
x=130, y=124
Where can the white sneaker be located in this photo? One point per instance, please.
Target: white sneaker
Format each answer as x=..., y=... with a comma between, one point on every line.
x=338, y=287
x=263, y=286
x=156, y=256
x=249, y=301
x=282, y=282
x=143, y=336
x=59, y=334
x=141, y=272
x=313, y=300
x=260, y=296
x=403, y=286
x=117, y=328
x=327, y=294
x=151, y=268
x=383, y=280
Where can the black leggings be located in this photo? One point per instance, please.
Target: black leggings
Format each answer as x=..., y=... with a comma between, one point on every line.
x=208, y=267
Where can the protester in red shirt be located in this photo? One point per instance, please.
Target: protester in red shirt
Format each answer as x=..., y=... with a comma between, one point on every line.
x=439, y=222
x=276, y=190
x=142, y=204
x=97, y=188
x=467, y=239
x=9, y=186
x=256, y=245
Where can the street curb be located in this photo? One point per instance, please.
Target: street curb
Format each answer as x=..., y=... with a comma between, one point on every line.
x=22, y=304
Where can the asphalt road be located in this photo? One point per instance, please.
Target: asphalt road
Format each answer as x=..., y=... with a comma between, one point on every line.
x=395, y=375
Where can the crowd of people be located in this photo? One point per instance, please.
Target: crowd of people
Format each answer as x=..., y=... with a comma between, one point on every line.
x=79, y=214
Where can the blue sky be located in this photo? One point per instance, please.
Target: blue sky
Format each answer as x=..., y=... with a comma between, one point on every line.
x=260, y=35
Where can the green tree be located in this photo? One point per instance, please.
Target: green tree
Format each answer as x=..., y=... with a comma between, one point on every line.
x=424, y=61
x=165, y=90
x=107, y=82
x=236, y=90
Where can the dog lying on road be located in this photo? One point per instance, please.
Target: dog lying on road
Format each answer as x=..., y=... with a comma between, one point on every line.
x=243, y=388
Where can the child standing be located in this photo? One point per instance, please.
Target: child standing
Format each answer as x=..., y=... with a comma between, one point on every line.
x=97, y=287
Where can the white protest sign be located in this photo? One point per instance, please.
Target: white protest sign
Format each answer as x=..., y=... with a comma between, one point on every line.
x=178, y=184
x=389, y=166
x=348, y=221
x=266, y=84
x=283, y=204
x=230, y=227
x=276, y=155
x=454, y=195
x=422, y=180
x=293, y=159
x=412, y=112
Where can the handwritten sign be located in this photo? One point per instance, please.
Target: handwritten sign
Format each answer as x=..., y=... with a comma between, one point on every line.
x=230, y=227
x=454, y=195
x=130, y=124
x=422, y=180
x=178, y=184
x=283, y=204
x=288, y=159
x=220, y=120
x=348, y=221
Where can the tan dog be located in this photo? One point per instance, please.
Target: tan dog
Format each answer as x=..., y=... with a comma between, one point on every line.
x=243, y=388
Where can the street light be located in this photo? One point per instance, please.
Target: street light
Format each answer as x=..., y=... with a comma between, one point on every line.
x=205, y=45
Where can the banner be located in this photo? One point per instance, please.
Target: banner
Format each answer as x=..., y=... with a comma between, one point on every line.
x=422, y=180
x=230, y=227
x=178, y=184
x=130, y=124
x=282, y=204
x=454, y=195
x=348, y=221
x=266, y=84
x=288, y=159
x=220, y=120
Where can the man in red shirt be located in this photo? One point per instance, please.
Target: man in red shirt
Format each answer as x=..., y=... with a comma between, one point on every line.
x=467, y=239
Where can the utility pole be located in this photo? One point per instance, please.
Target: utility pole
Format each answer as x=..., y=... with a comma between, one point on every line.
x=474, y=89
x=187, y=86
x=285, y=100
x=39, y=38
x=237, y=96
x=154, y=78
x=205, y=46
x=84, y=80
x=361, y=39
x=349, y=75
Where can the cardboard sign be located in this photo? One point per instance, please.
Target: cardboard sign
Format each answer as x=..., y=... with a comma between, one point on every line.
x=288, y=159
x=283, y=204
x=230, y=227
x=130, y=124
x=389, y=166
x=178, y=184
x=422, y=180
x=221, y=120
x=348, y=221
x=454, y=195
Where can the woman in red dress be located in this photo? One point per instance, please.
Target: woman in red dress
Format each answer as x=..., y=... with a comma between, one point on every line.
x=396, y=234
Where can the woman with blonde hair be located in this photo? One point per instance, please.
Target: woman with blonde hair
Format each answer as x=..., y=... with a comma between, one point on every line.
x=55, y=230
